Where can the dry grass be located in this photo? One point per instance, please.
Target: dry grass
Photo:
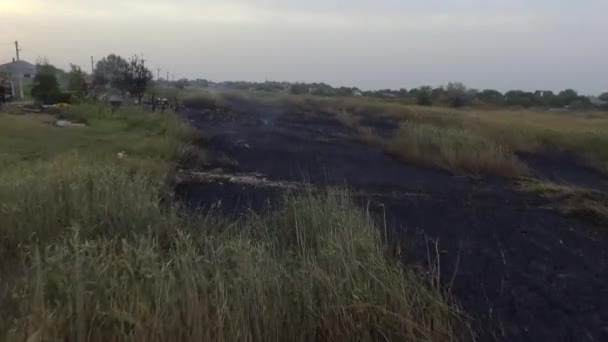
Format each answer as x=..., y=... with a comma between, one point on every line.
x=505, y=132
x=455, y=150
x=573, y=201
x=93, y=249
x=99, y=259
x=458, y=134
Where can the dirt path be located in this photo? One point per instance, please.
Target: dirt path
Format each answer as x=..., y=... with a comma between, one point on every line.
x=523, y=272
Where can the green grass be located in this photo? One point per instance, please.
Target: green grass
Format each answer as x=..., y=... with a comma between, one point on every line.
x=94, y=249
x=153, y=138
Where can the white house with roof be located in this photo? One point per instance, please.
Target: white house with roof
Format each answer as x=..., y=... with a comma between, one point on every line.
x=18, y=69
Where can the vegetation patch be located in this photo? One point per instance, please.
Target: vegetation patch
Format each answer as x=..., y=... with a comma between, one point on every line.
x=456, y=150
x=588, y=205
x=93, y=248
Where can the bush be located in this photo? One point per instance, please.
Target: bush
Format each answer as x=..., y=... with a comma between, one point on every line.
x=45, y=89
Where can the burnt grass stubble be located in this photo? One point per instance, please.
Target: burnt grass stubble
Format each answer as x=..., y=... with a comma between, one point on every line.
x=521, y=271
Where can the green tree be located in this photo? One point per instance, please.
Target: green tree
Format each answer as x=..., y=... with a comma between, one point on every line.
x=456, y=94
x=109, y=72
x=45, y=87
x=424, y=96
x=299, y=89
x=182, y=83
x=567, y=97
x=76, y=82
x=604, y=96
x=136, y=78
x=520, y=98
x=402, y=92
x=491, y=96
x=437, y=94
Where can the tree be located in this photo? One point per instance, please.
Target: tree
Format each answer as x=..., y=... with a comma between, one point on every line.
x=46, y=87
x=456, y=94
x=299, y=89
x=567, y=97
x=182, y=83
x=519, y=98
x=437, y=94
x=110, y=71
x=76, y=81
x=401, y=92
x=136, y=77
x=604, y=96
x=491, y=96
x=423, y=96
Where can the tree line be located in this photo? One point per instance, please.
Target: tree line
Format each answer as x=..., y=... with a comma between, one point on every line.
x=458, y=95
x=453, y=94
x=129, y=77
x=132, y=78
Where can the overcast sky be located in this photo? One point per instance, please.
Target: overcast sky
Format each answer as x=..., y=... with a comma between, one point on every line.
x=502, y=44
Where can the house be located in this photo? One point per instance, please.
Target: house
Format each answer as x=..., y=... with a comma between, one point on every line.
x=544, y=93
x=597, y=102
x=18, y=69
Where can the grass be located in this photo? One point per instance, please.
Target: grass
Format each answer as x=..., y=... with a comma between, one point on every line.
x=94, y=249
x=506, y=131
x=455, y=150
x=465, y=141
x=156, y=139
x=570, y=200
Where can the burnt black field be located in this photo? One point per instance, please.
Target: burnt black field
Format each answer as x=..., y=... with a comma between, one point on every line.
x=521, y=270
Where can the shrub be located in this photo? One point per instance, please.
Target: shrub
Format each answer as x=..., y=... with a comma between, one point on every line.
x=46, y=87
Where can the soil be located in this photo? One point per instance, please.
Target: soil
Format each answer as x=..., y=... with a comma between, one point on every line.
x=523, y=272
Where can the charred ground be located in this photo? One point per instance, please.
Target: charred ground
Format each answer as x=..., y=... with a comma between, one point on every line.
x=522, y=270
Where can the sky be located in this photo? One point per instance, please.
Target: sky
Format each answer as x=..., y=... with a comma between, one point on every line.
x=371, y=44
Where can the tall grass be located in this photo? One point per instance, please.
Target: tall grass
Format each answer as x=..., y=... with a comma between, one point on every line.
x=93, y=249
x=103, y=261
x=457, y=150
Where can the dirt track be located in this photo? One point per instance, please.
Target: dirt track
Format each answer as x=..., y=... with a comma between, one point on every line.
x=523, y=272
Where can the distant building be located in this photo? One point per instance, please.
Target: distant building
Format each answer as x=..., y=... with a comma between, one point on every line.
x=597, y=102
x=16, y=69
x=543, y=93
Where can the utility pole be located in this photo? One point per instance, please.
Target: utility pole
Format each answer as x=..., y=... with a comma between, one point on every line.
x=92, y=66
x=158, y=69
x=167, y=79
x=19, y=74
x=17, y=49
